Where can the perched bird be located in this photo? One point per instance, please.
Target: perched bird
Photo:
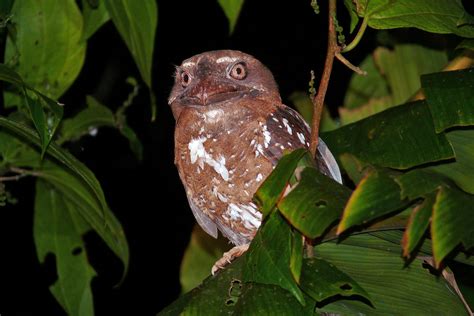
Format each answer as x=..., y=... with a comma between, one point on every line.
x=231, y=130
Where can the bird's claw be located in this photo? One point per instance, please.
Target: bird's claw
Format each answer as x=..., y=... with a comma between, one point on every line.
x=228, y=256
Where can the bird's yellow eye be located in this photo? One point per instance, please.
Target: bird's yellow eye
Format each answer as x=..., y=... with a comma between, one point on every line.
x=238, y=71
x=185, y=79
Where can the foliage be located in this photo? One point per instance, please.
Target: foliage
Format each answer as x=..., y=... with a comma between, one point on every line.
x=409, y=161
x=44, y=53
x=404, y=137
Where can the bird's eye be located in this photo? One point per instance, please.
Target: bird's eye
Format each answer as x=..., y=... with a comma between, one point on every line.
x=238, y=71
x=185, y=79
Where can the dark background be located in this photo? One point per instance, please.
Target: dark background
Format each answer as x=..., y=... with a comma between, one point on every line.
x=147, y=197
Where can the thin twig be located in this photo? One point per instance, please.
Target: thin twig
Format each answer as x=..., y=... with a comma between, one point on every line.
x=318, y=100
x=12, y=178
x=355, y=69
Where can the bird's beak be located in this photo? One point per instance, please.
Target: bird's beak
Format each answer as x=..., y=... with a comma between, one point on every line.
x=210, y=90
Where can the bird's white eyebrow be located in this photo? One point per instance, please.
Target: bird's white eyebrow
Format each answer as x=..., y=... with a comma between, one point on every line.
x=226, y=59
x=188, y=64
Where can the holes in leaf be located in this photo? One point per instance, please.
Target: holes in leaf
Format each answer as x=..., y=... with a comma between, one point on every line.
x=76, y=251
x=321, y=204
x=346, y=287
x=235, y=290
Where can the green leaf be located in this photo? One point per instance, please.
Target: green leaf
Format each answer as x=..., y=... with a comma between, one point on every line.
x=452, y=222
x=362, y=89
x=9, y=75
x=136, y=22
x=101, y=220
x=417, y=225
x=269, y=255
x=393, y=78
x=58, y=229
x=94, y=116
x=351, y=8
x=314, y=203
x=404, y=64
x=377, y=194
x=226, y=294
x=322, y=280
x=461, y=170
x=81, y=185
x=442, y=16
x=450, y=98
x=296, y=259
x=418, y=182
x=14, y=152
x=400, y=137
x=48, y=51
x=392, y=287
x=231, y=10
x=272, y=188
x=94, y=17
x=199, y=257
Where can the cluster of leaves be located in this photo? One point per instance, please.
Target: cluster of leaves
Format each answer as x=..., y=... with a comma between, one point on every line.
x=411, y=165
x=44, y=53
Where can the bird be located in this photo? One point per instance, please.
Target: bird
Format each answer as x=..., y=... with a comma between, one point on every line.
x=231, y=130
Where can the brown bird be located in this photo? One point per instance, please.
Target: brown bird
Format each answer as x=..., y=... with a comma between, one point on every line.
x=231, y=130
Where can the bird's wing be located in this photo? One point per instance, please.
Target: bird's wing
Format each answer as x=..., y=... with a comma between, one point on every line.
x=203, y=220
x=285, y=129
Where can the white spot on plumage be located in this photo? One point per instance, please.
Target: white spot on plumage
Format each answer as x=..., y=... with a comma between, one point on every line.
x=188, y=64
x=259, y=177
x=266, y=135
x=275, y=119
x=226, y=59
x=213, y=115
x=197, y=152
x=248, y=214
x=301, y=138
x=222, y=198
x=288, y=127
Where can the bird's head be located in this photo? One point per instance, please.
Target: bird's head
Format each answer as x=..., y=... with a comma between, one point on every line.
x=218, y=77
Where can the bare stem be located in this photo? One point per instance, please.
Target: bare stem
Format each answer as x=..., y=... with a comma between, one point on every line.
x=355, y=69
x=358, y=36
x=318, y=100
x=20, y=173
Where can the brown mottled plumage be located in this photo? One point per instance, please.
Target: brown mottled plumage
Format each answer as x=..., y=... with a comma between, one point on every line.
x=231, y=130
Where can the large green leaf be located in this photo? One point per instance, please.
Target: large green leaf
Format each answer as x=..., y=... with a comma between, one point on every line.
x=400, y=137
x=269, y=255
x=314, y=203
x=393, y=288
x=452, y=222
x=227, y=294
x=363, y=89
x=58, y=230
x=450, y=98
x=322, y=280
x=272, y=188
x=75, y=179
x=441, y=16
x=377, y=194
x=231, y=9
x=417, y=225
x=136, y=22
x=462, y=169
x=44, y=112
x=393, y=78
x=94, y=17
x=452, y=219
x=403, y=65
x=48, y=51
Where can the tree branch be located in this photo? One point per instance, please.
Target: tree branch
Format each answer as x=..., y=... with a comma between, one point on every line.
x=318, y=100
